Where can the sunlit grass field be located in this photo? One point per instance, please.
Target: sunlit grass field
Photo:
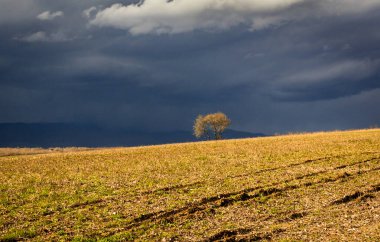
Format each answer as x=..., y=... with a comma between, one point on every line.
x=302, y=187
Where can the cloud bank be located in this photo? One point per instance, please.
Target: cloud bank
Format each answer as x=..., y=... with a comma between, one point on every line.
x=179, y=16
x=47, y=15
x=42, y=36
x=329, y=81
x=347, y=70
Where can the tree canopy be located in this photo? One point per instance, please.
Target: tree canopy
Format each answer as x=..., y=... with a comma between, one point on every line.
x=211, y=125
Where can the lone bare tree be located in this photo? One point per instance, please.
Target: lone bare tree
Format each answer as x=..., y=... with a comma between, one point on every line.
x=211, y=124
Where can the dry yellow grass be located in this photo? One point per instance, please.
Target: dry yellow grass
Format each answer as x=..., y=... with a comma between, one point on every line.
x=313, y=187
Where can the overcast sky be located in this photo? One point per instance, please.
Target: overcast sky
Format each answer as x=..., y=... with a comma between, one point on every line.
x=271, y=66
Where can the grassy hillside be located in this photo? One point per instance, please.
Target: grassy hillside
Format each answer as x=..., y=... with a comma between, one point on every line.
x=321, y=186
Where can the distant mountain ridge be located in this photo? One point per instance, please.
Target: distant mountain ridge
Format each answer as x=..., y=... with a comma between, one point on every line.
x=87, y=135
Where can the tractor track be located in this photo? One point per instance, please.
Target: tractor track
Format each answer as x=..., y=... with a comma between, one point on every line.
x=227, y=199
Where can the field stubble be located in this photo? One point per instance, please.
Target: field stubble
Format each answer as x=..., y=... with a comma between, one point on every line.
x=321, y=186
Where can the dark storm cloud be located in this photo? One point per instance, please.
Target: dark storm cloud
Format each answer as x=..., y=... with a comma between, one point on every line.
x=299, y=71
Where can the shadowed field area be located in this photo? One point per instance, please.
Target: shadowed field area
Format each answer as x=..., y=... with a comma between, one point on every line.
x=320, y=186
